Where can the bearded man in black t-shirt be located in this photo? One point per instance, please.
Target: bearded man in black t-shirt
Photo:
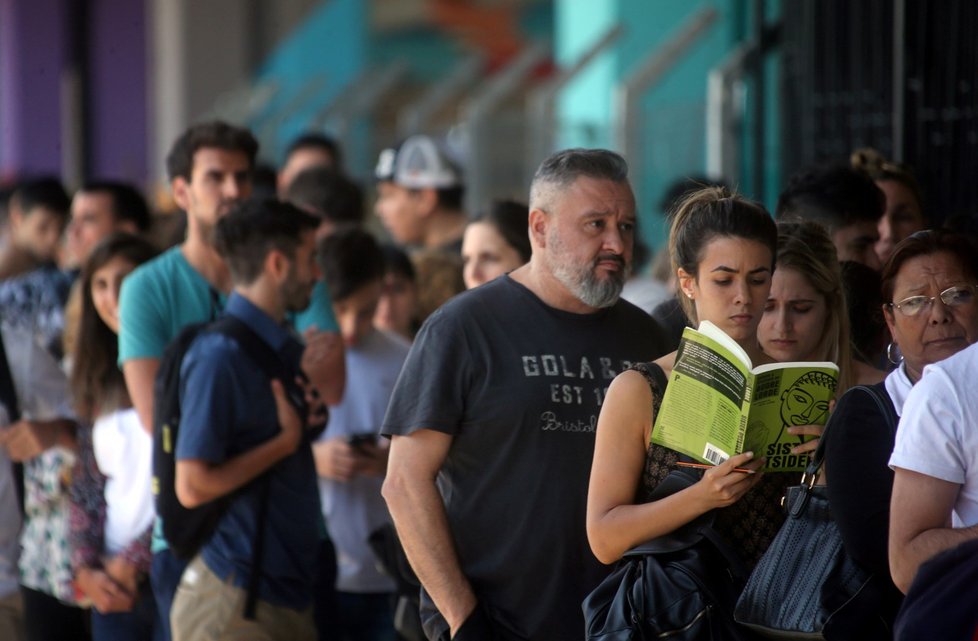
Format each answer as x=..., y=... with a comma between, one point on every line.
x=492, y=419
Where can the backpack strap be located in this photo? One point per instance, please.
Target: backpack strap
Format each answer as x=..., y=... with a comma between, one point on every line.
x=272, y=364
x=8, y=396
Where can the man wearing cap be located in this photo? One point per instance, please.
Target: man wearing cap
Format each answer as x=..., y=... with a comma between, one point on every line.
x=419, y=196
x=492, y=419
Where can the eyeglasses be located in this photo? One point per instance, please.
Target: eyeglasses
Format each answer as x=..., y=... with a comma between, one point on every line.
x=952, y=297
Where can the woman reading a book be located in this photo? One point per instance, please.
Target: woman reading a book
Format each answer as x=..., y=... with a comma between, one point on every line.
x=805, y=316
x=723, y=248
x=932, y=313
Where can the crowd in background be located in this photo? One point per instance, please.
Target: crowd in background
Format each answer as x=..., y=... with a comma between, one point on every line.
x=486, y=453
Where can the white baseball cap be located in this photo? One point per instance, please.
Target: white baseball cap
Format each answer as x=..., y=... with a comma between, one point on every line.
x=417, y=163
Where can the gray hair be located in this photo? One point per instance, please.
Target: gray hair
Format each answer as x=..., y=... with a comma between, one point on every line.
x=561, y=169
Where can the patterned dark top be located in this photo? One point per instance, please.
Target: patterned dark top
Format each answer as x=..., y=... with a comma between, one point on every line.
x=88, y=509
x=749, y=524
x=35, y=302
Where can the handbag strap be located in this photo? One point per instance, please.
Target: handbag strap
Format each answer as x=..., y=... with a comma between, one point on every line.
x=886, y=408
x=885, y=404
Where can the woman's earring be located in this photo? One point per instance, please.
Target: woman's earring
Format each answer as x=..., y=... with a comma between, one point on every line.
x=893, y=353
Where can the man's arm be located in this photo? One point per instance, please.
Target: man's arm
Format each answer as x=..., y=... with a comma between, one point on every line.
x=198, y=482
x=422, y=525
x=920, y=523
x=140, y=375
x=324, y=364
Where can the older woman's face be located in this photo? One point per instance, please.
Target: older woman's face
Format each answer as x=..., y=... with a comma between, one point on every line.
x=938, y=330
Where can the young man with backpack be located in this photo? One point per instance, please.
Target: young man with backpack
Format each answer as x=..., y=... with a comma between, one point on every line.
x=241, y=437
x=210, y=169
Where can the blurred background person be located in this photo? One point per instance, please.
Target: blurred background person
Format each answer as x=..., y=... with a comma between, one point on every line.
x=438, y=279
x=419, y=196
x=844, y=201
x=111, y=494
x=495, y=243
x=306, y=152
x=397, y=309
x=98, y=209
x=332, y=196
x=904, y=213
x=351, y=459
x=863, y=288
x=37, y=215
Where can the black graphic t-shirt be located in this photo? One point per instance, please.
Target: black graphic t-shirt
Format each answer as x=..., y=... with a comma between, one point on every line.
x=519, y=386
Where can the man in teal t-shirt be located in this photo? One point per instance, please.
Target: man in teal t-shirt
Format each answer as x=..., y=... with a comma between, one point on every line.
x=210, y=169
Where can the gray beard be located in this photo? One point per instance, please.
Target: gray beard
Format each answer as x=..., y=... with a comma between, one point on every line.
x=582, y=282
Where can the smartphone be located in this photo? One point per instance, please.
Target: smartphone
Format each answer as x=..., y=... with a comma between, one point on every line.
x=361, y=441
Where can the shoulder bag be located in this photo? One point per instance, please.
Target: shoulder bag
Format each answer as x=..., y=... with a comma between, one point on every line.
x=806, y=586
x=681, y=586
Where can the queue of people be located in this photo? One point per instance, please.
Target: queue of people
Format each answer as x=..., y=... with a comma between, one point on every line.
x=490, y=394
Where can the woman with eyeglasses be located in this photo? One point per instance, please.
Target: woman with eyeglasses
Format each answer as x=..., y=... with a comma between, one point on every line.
x=929, y=283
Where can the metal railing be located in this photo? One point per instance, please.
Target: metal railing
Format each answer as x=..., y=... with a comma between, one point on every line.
x=725, y=113
x=628, y=94
x=356, y=104
x=416, y=117
x=541, y=102
x=484, y=151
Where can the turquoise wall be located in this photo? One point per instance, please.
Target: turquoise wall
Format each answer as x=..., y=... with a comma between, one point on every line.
x=672, y=136
x=331, y=43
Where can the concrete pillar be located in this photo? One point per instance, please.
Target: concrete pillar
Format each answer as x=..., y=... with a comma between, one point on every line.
x=198, y=51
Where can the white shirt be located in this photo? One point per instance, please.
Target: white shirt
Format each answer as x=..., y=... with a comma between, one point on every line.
x=355, y=508
x=124, y=453
x=645, y=292
x=938, y=433
x=898, y=386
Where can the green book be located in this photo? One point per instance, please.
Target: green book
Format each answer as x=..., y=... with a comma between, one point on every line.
x=718, y=405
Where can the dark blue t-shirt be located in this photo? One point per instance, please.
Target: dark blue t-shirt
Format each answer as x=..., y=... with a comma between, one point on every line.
x=519, y=386
x=228, y=408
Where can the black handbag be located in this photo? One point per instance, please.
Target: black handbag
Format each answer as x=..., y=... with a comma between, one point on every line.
x=806, y=586
x=681, y=586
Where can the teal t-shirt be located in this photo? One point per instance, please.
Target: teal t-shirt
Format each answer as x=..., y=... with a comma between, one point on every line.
x=166, y=294
x=161, y=297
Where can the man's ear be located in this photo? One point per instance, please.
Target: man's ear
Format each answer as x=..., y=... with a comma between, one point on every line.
x=277, y=265
x=181, y=192
x=538, y=222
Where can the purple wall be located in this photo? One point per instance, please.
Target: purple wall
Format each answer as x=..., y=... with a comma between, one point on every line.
x=32, y=57
x=117, y=91
x=34, y=41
